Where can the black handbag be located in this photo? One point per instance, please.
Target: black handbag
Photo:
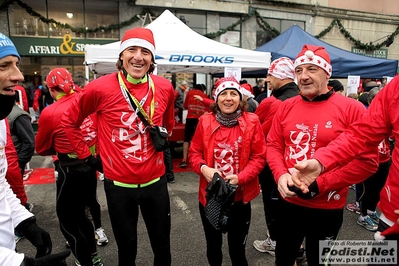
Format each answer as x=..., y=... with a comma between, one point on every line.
x=219, y=199
x=159, y=136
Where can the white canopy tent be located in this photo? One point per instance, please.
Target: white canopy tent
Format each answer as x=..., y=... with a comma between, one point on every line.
x=180, y=49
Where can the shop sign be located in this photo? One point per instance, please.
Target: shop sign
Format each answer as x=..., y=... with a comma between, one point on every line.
x=67, y=46
x=379, y=53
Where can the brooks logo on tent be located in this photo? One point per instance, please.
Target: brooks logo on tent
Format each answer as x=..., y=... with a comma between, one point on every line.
x=201, y=59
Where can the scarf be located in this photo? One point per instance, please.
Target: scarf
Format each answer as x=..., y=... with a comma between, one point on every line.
x=230, y=120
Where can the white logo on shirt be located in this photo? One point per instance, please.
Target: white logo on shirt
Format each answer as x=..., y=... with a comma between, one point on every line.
x=129, y=139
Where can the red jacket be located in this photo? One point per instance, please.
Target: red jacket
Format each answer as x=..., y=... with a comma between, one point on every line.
x=252, y=151
x=127, y=152
x=51, y=138
x=378, y=123
x=300, y=128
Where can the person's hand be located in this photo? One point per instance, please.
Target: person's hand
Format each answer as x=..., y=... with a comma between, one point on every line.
x=284, y=182
x=37, y=236
x=397, y=212
x=198, y=98
x=208, y=173
x=94, y=162
x=233, y=179
x=57, y=259
x=305, y=173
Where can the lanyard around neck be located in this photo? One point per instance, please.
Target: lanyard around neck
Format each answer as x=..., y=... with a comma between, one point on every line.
x=139, y=108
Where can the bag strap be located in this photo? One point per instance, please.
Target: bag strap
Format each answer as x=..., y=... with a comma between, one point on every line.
x=140, y=114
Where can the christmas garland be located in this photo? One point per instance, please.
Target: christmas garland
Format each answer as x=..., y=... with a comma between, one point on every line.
x=260, y=20
x=78, y=30
x=367, y=46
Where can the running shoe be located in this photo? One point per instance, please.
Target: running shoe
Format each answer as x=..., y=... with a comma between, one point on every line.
x=101, y=237
x=183, y=164
x=95, y=259
x=374, y=216
x=367, y=222
x=353, y=207
x=265, y=246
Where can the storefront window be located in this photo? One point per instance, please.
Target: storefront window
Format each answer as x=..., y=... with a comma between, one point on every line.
x=33, y=67
x=232, y=37
x=101, y=13
x=197, y=22
x=68, y=12
x=23, y=24
x=263, y=35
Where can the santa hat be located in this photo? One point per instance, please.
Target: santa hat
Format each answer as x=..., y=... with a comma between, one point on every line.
x=247, y=90
x=227, y=83
x=60, y=78
x=316, y=55
x=282, y=68
x=7, y=47
x=142, y=37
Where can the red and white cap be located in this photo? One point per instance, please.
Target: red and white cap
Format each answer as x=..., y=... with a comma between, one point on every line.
x=316, y=55
x=282, y=68
x=142, y=37
x=61, y=78
x=227, y=83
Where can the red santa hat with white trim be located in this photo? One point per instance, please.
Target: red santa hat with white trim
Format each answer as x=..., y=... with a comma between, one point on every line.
x=316, y=55
x=227, y=83
x=142, y=37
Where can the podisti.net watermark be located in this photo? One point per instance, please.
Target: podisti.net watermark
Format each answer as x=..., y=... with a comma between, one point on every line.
x=358, y=252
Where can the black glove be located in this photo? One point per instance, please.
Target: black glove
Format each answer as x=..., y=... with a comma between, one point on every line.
x=57, y=259
x=313, y=191
x=95, y=163
x=37, y=236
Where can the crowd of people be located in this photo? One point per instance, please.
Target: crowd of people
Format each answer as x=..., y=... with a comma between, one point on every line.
x=295, y=147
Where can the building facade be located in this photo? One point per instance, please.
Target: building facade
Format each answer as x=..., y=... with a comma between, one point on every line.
x=53, y=33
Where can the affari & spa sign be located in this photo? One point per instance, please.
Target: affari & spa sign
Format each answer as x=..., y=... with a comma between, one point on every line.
x=65, y=46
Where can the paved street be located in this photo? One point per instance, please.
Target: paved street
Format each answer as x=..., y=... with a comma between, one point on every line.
x=188, y=242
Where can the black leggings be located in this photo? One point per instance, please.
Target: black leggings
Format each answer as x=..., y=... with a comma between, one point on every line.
x=123, y=206
x=372, y=187
x=76, y=187
x=237, y=232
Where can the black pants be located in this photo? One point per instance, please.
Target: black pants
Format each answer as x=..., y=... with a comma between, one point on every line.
x=295, y=223
x=76, y=187
x=271, y=198
x=123, y=207
x=95, y=211
x=167, y=157
x=237, y=232
x=372, y=187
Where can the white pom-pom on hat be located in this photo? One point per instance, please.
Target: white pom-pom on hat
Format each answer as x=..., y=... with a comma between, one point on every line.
x=309, y=53
x=378, y=236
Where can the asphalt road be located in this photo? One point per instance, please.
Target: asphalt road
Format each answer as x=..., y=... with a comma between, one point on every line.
x=187, y=238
